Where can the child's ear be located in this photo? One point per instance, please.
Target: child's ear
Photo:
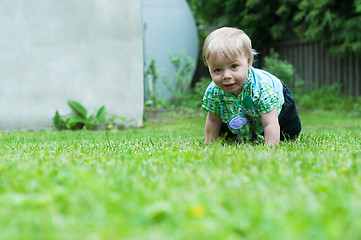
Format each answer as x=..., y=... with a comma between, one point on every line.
x=249, y=63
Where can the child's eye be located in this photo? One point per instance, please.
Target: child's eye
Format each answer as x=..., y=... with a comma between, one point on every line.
x=234, y=66
x=217, y=70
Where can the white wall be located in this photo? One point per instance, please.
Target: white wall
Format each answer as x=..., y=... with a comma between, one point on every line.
x=169, y=28
x=54, y=50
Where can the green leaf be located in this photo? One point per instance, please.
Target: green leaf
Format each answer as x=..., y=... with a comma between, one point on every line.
x=75, y=119
x=78, y=108
x=58, y=121
x=100, y=115
x=89, y=120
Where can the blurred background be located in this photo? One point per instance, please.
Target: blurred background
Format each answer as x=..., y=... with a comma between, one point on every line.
x=313, y=46
x=321, y=39
x=144, y=56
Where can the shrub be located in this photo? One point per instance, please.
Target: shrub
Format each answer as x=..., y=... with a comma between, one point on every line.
x=285, y=72
x=151, y=75
x=327, y=97
x=178, y=87
x=330, y=97
x=80, y=119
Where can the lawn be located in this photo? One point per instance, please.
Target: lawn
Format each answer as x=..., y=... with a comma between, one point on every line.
x=163, y=182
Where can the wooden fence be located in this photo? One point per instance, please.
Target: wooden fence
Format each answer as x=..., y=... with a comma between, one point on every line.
x=317, y=67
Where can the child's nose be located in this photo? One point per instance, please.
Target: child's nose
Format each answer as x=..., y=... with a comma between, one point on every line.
x=227, y=74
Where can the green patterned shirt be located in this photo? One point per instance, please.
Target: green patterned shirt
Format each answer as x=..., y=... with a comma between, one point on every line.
x=261, y=93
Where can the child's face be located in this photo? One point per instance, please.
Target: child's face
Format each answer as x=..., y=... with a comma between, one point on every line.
x=229, y=74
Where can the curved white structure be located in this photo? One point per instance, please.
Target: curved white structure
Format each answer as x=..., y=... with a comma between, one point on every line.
x=168, y=28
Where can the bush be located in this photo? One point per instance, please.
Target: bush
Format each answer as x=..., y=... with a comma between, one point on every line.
x=179, y=86
x=285, y=72
x=81, y=119
x=151, y=75
x=195, y=95
x=327, y=97
x=330, y=97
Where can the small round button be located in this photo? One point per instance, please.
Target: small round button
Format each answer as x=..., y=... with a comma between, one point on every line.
x=237, y=122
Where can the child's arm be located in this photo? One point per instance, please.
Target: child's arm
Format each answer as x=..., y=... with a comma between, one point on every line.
x=271, y=127
x=213, y=127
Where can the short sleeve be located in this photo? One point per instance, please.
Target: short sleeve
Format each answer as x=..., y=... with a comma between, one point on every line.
x=210, y=102
x=268, y=98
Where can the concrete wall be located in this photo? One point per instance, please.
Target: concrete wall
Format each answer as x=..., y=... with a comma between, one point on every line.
x=54, y=50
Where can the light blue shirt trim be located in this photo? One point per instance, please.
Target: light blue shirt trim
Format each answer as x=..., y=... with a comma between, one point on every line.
x=260, y=76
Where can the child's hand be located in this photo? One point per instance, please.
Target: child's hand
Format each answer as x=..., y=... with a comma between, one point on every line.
x=213, y=127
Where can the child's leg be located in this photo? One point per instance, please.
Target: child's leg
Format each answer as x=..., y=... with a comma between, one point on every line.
x=289, y=120
x=225, y=132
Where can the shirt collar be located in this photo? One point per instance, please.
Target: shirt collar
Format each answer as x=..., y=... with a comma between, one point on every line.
x=249, y=77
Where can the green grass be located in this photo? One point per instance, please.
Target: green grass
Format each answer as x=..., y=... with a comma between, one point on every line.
x=163, y=182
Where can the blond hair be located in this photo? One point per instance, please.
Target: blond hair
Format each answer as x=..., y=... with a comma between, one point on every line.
x=228, y=41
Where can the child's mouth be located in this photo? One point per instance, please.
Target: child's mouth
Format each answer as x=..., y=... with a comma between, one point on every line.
x=229, y=86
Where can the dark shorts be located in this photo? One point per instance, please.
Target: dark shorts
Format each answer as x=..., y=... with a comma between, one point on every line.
x=290, y=123
x=289, y=120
